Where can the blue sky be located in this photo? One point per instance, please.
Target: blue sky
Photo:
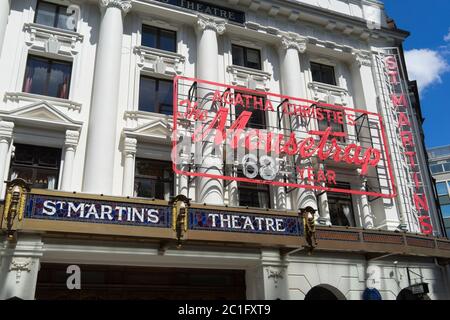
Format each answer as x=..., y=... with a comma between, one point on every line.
x=428, y=59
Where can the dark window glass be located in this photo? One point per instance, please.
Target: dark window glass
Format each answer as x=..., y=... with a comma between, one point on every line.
x=442, y=188
x=341, y=207
x=47, y=77
x=52, y=15
x=254, y=195
x=246, y=57
x=323, y=73
x=156, y=95
x=36, y=165
x=447, y=167
x=335, y=127
x=258, y=117
x=153, y=179
x=436, y=168
x=445, y=211
x=159, y=38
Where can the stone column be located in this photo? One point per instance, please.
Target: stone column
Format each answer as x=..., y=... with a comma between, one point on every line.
x=324, y=218
x=6, y=132
x=292, y=84
x=70, y=146
x=101, y=139
x=4, y=14
x=19, y=267
x=209, y=190
x=367, y=218
x=129, y=150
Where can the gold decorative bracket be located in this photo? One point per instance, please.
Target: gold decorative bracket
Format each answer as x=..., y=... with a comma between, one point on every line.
x=180, y=213
x=15, y=202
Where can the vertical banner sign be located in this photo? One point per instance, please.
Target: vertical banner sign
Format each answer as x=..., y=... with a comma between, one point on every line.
x=404, y=114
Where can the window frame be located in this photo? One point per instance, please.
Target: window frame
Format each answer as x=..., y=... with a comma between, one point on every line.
x=56, y=14
x=255, y=188
x=165, y=166
x=245, y=57
x=35, y=166
x=321, y=66
x=251, y=125
x=158, y=105
x=158, y=37
x=50, y=62
x=343, y=197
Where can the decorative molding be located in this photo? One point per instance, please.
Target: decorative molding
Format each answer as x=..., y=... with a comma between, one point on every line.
x=363, y=58
x=130, y=146
x=124, y=5
x=52, y=40
x=6, y=130
x=293, y=41
x=72, y=138
x=43, y=114
x=250, y=78
x=328, y=93
x=19, y=265
x=159, y=61
x=18, y=97
x=208, y=23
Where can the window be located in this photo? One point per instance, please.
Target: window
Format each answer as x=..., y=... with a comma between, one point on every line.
x=53, y=15
x=258, y=117
x=332, y=123
x=154, y=37
x=36, y=165
x=153, y=179
x=436, y=168
x=156, y=95
x=246, y=57
x=447, y=166
x=323, y=73
x=47, y=77
x=341, y=207
x=254, y=195
x=445, y=211
x=442, y=188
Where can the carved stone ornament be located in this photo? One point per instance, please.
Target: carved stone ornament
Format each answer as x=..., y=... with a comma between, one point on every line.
x=205, y=22
x=363, y=58
x=275, y=274
x=20, y=265
x=124, y=5
x=292, y=42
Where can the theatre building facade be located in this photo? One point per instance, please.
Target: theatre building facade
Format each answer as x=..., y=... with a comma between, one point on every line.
x=241, y=149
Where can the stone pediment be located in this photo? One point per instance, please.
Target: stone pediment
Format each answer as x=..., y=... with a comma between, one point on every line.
x=156, y=130
x=40, y=113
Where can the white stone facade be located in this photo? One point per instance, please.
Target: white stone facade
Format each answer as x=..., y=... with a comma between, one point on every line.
x=101, y=131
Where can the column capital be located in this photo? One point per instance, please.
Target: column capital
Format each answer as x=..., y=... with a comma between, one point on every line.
x=6, y=129
x=124, y=5
x=205, y=22
x=130, y=146
x=293, y=41
x=363, y=58
x=72, y=137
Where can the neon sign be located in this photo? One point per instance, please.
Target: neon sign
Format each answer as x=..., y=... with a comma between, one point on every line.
x=234, y=133
x=403, y=109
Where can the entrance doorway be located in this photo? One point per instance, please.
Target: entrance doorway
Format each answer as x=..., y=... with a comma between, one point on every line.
x=141, y=283
x=324, y=292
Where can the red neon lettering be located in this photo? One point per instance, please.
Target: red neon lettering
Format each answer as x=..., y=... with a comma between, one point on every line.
x=411, y=155
x=421, y=202
x=403, y=119
x=425, y=225
x=407, y=138
x=399, y=100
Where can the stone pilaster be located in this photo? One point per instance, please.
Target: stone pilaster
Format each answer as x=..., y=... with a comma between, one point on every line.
x=129, y=153
x=70, y=147
x=6, y=134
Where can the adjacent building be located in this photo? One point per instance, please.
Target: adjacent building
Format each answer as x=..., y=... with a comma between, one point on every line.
x=88, y=92
x=439, y=159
